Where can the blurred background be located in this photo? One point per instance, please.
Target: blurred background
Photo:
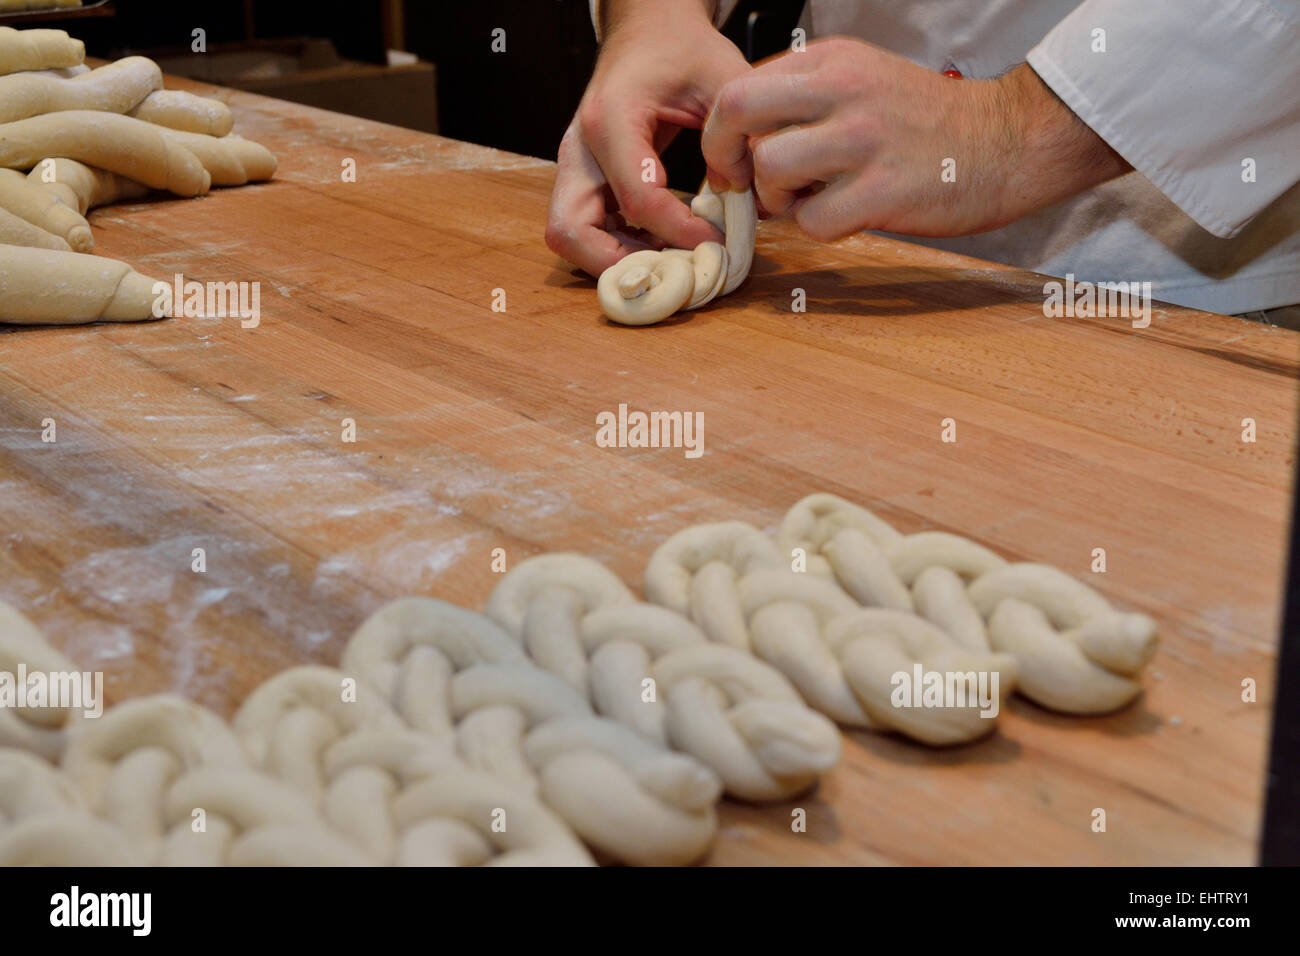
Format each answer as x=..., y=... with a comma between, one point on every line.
x=424, y=64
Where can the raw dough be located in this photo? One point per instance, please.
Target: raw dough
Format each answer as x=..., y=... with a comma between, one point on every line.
x=458, y=677
x=871, y=601
x=120, y=144
x=117, y=87
x=181, y=110
x=16, y=231
x=81, y=187
x=732, y=712
x=648, y=286
x=40, y=730
x=26, y=199
x=41, y=286
x=38, y=50
x=230, y=160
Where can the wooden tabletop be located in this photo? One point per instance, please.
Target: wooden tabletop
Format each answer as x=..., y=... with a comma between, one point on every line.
x=475, y=430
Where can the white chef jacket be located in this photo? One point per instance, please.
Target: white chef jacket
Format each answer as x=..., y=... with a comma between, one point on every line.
x=1187, y=91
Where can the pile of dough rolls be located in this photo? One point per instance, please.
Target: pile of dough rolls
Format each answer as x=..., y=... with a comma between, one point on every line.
x=73, y=139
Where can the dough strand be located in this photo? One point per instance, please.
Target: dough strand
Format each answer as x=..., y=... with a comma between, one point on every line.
x=650, y=285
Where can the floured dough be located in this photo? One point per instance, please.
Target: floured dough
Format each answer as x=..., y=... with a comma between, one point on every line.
x=648, y=286
x=82, y=188
x=116, y=88
x=42, y=286
x=25, y=198
x=229, y=160
x=16, y=231
x=38, y=50
x=120, y=144
x=182, y=110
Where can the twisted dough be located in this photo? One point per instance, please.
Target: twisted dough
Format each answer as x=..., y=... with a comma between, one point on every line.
x=117, y=87
x=41, y=730
x=38, y=50
x=1077, y=654
x=17, y=231
x=130, y=147
x=147, y=764
x=39, y=286
x=733, y=713
x=649, y=286
x=81, y=187
x=229, y=160
x=933, y=598
x=178, y=109
x=459, y=678
x=44, y=823
x=42, y=208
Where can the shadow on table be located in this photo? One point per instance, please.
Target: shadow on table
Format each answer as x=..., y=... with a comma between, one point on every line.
x=891, y=290
x=861, y=290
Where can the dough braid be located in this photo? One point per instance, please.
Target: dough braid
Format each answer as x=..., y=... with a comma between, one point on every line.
x=460, y=679
x=648, y=286
x=874, y=602
x=734, y=713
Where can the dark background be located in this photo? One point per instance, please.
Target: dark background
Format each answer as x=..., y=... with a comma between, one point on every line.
x=521, y=100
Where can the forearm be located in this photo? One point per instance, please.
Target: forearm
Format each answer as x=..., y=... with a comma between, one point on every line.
x=1051, y=153
x=611, y=15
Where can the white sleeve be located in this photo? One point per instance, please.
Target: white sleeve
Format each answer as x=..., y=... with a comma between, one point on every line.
x=1188, y=91
x=720, y=14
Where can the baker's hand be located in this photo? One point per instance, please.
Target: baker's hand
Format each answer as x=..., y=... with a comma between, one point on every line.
x=847, y=136
x=660, y=68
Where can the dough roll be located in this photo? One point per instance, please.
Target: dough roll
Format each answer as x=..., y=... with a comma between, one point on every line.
x=80, y=187
x=177, y=109
x=25, y=199
x=229, y=160
x=41, y=286
x=116, y=88
x=38, y=50
x=16, y=231
x=120, y=144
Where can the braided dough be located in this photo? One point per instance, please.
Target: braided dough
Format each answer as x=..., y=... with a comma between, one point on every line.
x=648, y=286
x=178, y=109
x=874, y=603
x=38, y=50
x=460, y=678
x=41, y=286
x=735, y=714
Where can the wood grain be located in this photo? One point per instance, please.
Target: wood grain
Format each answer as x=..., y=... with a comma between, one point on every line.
x=476, y=430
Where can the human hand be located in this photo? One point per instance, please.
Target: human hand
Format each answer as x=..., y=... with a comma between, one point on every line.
x=652, y=80
x=847, y=136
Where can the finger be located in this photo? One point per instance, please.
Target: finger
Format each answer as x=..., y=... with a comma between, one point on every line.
x=832, y=213
x=749, y=105
x=578, y=211
x=623, y=148
x=789, y=161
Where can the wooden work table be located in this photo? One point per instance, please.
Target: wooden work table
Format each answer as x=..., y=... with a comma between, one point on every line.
x=475, y=430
